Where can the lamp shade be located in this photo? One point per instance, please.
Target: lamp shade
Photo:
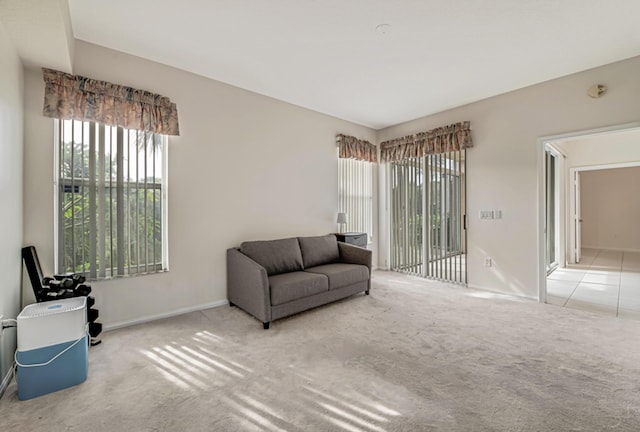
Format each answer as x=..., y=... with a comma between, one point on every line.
x=342, y=218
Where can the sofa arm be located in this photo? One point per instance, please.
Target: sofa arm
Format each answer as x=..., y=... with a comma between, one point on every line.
x=248, y=285
x=355, y=255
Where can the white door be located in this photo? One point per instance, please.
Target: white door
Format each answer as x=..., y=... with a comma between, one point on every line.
x=552, y=210
x=578, y=219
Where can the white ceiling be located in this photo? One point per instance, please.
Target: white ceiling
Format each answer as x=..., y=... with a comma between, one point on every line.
x=327, y=56
x=40, y=30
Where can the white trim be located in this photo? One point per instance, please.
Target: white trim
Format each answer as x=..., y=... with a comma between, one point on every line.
x=497, y=292
x=542, y=141
x=574, y=183
x=551, y=146
x=148, y=318
x=7, y=380
x=611, y=249
x=571, y=136
x=572, y=198
x=540, y=209
x=559, y=166
x=606, y=166
x=165, y=201
x=56, y=182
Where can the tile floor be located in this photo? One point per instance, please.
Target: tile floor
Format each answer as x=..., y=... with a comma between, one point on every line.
x=605, y=281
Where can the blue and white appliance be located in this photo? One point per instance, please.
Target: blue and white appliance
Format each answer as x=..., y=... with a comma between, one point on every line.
x=52, y=346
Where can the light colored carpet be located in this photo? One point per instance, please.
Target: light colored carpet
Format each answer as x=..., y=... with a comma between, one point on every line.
x=414, y=356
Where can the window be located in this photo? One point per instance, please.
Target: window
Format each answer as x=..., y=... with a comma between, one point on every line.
x=111, y=199
x=355, y=194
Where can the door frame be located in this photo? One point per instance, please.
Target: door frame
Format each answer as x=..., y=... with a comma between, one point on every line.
x=541, y=145
x=559, y=165
x=575, y=200
x=575, y=236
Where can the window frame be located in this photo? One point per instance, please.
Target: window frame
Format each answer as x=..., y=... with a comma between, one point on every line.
x=348, y=169
x=58, y=221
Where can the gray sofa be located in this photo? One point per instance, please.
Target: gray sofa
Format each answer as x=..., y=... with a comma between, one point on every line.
x=277, y=278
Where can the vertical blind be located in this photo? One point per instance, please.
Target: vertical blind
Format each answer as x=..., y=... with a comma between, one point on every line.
x=427, y=194
x=355, y=194
x=427, y=198
x=111, y=200
x=407, y=215
x=446, y=235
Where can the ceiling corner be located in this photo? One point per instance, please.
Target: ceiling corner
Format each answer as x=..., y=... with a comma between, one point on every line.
x=41, y=32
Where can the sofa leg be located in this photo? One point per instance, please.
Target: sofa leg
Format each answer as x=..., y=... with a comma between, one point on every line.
x=367, y=292
x=231, y=304
x=265, y=325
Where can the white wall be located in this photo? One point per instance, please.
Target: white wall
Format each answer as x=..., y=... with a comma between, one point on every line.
x=11, y=126
x=245, y=167
x=503, y=168
x=610, y=208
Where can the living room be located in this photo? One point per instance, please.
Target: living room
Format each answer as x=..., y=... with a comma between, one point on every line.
x=248, y=167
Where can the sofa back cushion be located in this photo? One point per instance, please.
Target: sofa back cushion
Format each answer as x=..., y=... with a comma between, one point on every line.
x=276, y=256
x=319, y=250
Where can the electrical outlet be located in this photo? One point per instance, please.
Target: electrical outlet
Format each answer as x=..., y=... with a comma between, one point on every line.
x=487, y=262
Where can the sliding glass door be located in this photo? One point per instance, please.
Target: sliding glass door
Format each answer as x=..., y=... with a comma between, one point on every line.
x=433, y=246
x=407, y=227
x=446, y=253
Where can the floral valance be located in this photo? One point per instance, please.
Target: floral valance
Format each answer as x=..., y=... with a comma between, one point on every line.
x=73, y=97
x=440, y=140
x=352, y=148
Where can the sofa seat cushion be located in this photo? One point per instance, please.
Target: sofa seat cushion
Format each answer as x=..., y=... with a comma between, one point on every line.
x=276, y=256
x=319, y=250
x=287, y=287
x=341, y=275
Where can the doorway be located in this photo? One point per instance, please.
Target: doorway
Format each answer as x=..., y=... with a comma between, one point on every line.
x=592, y=275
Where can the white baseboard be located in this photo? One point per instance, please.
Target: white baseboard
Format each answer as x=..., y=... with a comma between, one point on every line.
x=7, y=380
x=487, y=290
x=147, y=318
x=611, y=249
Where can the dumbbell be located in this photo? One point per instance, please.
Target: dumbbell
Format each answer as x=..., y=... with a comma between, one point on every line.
x=68, y=283
x=62, y=284
x=55, y=294
x=92, y=314
x=95, y=329
x=41, y=295
x=82, y=290
x=78, y=278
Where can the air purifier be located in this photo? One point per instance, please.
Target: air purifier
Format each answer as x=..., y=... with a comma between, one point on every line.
x=52, y=346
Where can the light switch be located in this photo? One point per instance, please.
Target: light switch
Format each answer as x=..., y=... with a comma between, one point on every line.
x=486, y=214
